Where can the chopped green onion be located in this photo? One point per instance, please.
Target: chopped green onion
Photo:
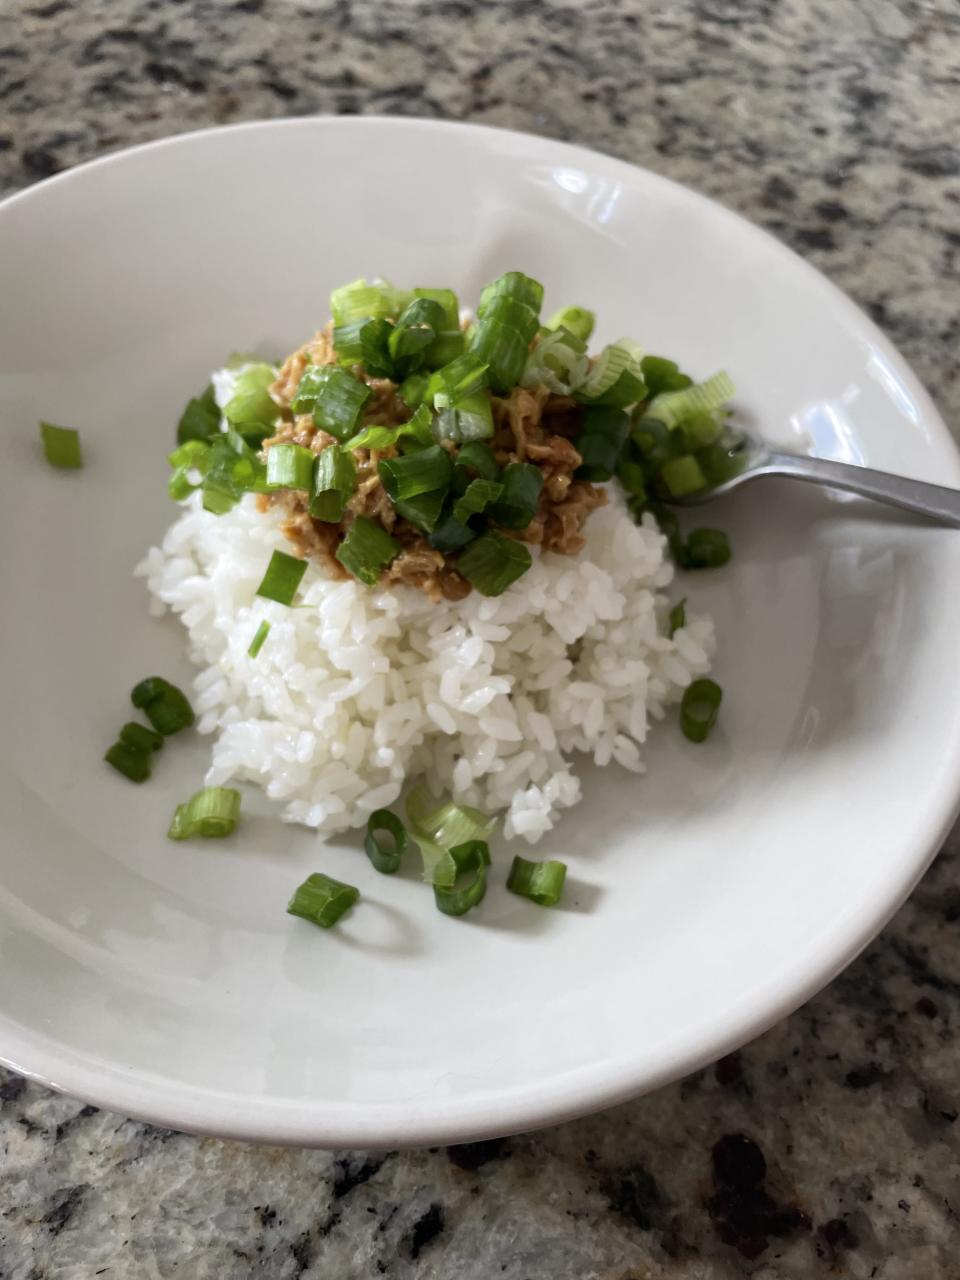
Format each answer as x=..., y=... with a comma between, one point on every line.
x=516, y=507
x=493, y=562
x=366, y=342
x=165, y=706
x=559, y=362
x=322, y=900
x=132, y=762
x=699, y=707
x=232, y=469
x=683, y=476
x=425, y=471
x=457, y=381
x=417, y=430
x=474, y=856
x=367, y=550
x=474, y=460
x=289, y=466
x=663, y=375
x=140, y=738
x=413, y=389
x=578, y=320
x=212, y=812
x=201, y=417
x=632, y=476
x=705, y=549
x=61, y=446
x=384, y=857
x=542, y=882
x=471, y=420
x=334, y=397
x=445, y=348
x=648, y=435
x=478, y=496
x=513, y=313
x=256, y=644
x=334, y=481
x=503, y=348
x=283, y=577
x=449, y=533
x=446, y=299
x=617, y=377
x=417, y=327
x=359, y=300
x=251, y=403
x=600, y=441
x=725, y=458
x=439, y=828
x=423, y=510
x=512, y=284
x=677, y=617
x=672, y=407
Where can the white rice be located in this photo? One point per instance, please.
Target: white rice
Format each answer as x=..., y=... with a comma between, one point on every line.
x=360, y=691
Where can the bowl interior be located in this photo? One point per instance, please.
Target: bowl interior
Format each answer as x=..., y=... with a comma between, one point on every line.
x=705, y=900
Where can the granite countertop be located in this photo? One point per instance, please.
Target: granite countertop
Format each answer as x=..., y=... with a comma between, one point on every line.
x=830, y=1145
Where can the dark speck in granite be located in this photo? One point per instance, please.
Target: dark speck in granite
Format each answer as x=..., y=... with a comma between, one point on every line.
x=835, y=126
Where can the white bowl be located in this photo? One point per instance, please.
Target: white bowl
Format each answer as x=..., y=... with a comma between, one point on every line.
x=706, y=900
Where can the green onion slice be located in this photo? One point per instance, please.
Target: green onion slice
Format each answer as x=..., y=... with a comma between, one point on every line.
x=663, y=375
x=423, y=510
x=367, y=550
x=515, y=285
x=424, y=471
x=212, y=812
x=283, y=577
x=251, y=403
x=359, y=300
x=617, y=377
x=683, y=476
x=699, y=708
x=471, y=420
x=437, y=829
x=677, y=617
x=578, y=320
x=385, y=857
x=289, y=466
x=601, y=439
x=366, y=342
x=672, y=407
x=449, y=533
x=503, y=349
x=413, y=389
x=478, y=496
x=133, y=762
x=471, y=857
x=256, y=644
x=446, y=299
x=334, y=397
x=473, y=460
x=457, y=381
x=417, y=431
x=417, y=326
x=334, y=482
x=559, y=362
x=200, y=418
x=542, y=882
x=140, y=738
x=517, y=505
x=322, y=899
x=165, y=706
x=61, y=446
x=493, y=561
x=705, y=549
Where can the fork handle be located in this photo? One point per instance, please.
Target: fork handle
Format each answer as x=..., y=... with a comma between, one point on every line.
x=933, y=500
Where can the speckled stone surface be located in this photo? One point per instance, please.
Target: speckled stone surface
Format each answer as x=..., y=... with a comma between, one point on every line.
x=834, y=123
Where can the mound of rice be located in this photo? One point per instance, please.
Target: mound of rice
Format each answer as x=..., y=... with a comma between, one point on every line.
x=359, y=691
